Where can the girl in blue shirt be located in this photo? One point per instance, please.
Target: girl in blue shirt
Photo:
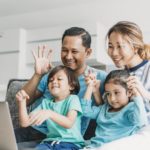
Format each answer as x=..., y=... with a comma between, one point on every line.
x=121, y=115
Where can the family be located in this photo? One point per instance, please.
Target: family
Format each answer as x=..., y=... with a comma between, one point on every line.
x=66, y=97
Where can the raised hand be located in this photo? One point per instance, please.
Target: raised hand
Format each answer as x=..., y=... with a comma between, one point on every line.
x=91, y=80
x=21, y=96
x=93, y=86
x=135, y=85
x=42, y=60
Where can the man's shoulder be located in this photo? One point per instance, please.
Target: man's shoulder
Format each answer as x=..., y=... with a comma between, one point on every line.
x=101, y=74
x=95, y=69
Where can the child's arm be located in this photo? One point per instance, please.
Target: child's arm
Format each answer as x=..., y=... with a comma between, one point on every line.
x=21, y=98
x=93, y=86
x=38, y=117
x=96, y=93
x=138, y=117
x=67, y=117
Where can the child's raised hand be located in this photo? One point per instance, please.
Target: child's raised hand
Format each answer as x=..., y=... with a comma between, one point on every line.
x=96, y=86
x=38, y=117
x=21, y=96
x=91, y=80
x=42, y=60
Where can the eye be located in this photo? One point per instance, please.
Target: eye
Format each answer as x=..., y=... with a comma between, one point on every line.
x=64, y=50
x=110, y=47
x=51, y=80
x=117, y=93
x=121, y=46
x=74, y=52
x=60, y=78
x=106, y=94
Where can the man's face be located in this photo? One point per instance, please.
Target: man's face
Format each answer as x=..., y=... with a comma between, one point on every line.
x=74, y=54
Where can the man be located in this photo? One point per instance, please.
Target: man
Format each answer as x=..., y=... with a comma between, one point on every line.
x=74, y=52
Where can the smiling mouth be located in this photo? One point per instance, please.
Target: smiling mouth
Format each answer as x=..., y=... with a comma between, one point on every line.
x=116, y=60
x=54, y=87
x=69, y=62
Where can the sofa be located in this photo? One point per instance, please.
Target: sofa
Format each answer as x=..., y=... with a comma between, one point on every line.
x=14, y=85
x=138, y=141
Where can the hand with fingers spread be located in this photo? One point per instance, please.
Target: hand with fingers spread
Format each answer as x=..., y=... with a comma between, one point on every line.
x=42, y=60
x=38, y=117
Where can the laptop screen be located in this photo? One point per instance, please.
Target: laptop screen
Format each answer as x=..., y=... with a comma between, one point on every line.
x=7, y=136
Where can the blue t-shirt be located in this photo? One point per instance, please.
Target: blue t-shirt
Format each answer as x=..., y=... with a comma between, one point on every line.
x=115, y=125
x=42, y=87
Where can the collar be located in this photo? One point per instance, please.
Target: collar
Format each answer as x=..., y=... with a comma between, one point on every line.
x=137, y=67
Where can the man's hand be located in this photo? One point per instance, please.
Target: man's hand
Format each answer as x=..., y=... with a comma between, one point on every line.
x=42, y=60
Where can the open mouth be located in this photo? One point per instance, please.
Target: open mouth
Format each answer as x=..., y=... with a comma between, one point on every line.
x=116, y=59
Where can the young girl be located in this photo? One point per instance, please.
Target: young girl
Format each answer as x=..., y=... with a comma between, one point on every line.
x=62, y=114
x=121, y=115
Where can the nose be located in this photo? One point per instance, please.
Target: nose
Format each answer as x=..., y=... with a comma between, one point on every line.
x=112, y=97
x=113, y=52
x=69, y=55
x=54, y=81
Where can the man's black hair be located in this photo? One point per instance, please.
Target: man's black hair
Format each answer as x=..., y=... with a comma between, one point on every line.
x=77, y=31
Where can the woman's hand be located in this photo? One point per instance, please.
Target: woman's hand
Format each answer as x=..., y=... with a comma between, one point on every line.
x=42, y=60
x=135, y=85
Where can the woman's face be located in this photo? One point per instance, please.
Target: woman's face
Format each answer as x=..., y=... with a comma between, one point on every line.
x=120, y=50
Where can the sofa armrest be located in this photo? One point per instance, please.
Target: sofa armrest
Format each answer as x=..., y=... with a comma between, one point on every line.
x=14, y=85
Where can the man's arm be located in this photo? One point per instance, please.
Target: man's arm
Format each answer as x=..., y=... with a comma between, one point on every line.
x=31, y=88
x=42, y=66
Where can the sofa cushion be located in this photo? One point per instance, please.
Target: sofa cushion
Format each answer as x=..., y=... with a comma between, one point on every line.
x=14, y=85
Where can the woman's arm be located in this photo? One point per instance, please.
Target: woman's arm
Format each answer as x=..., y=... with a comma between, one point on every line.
x=133, y=82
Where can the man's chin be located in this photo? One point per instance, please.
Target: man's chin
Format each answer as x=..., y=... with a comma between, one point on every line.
x=71, y=66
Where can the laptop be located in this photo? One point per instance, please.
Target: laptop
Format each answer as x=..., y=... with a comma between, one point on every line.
x=7, y=136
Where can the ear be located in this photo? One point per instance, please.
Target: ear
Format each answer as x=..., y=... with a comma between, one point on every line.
x=88, y=52
x=135, y=50
x=71, y=88
x=129, y=93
